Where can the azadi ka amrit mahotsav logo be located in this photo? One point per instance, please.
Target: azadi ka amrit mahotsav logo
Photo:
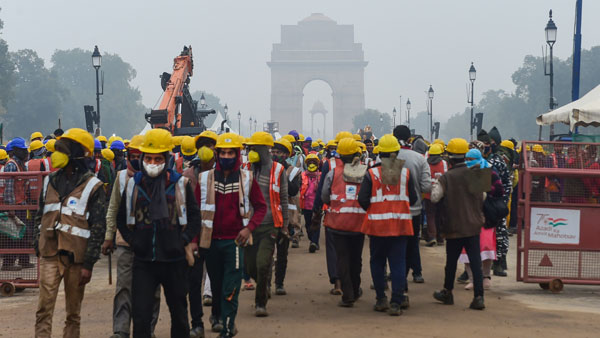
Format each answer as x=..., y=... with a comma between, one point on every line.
x=554, y=222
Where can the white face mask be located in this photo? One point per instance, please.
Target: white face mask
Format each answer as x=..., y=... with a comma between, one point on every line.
x=153, y=170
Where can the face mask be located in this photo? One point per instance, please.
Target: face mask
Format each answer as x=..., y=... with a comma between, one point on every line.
x=227, y=163
x=471, y=163
x=279, y=159
x=59, y=160
x=188, y=157
x=312, y=167
x=135, y=164
x=253, y=156
x=205, y=154
x=153, y=170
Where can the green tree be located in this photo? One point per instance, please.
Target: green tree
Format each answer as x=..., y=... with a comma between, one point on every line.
x=381, y=123
x=6, y=74
x=38, y=96
x=121, y=109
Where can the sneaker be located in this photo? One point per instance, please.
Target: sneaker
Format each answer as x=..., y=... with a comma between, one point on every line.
x=477, y=303
x=261, y=311
x=487, y=283
x=431, y=243
x=216, y=324
x=405, y=303
x=444, y=296
x=394, y=310
x=469, y=286
x=295, y=243
x=498, y=270
x=280, y=291
x=345, y=304
x=207, y=300
x=418, y=279
x=463, y=279
x=312, y=248
x=381, y=305
x=197, y=332
x=248, y=286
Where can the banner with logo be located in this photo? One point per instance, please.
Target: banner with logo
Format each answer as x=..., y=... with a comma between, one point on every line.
x=554, y=226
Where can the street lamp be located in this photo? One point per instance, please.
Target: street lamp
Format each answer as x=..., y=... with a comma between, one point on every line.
x=250, y=124
x=394, y=115
x=472, y=76
x=430, y=95
x=202, y=101
x=226, y=111
x=408, y=113
x=255, y=125
x=551, y=31
x=239, y=122
x=97, y=63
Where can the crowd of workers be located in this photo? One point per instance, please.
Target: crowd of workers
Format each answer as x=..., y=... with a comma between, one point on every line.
x=169, y=206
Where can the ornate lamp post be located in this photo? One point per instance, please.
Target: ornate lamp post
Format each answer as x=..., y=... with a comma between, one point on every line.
x=472, y=76
x=430, y=96
x=97, y=63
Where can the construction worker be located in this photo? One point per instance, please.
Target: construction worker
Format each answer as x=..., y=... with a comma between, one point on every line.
x=36, y=156
x=273, y=184
x=421, y=176
x=344, y=217
x=118, y=149
x=124, y=253
x=227, y=193
x=280, y=152
x=297, y=156
x=386, y=194
x=3, y=158
x=159, y=217
x=176, y=151
x=438, y=167
x=308, y=192
x=102, y=140
x=71, y=224
x=463, y=218
x=188, y=152
x=47, y=156
x=369, y=144
x=36, y=136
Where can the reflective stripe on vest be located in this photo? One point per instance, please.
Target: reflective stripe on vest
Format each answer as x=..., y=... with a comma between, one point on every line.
x=180, y=202
x=182, y=206
x=73, y=230
x=129, y=201
x=85, y=196
x=122, y=180
x=344, y=213
x=292, y=207
x=245, y=185
x=293, y=173
x=274, y=194
x=204, y=206
x=47, y=166
x=74, y=205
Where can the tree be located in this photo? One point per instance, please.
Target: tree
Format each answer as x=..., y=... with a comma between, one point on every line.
x=212, y=102
x=38, y=96
x=6, y=74
x=381, y=123
x=121, y=109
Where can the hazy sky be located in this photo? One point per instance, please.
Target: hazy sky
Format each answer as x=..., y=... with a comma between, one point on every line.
x=409, y=44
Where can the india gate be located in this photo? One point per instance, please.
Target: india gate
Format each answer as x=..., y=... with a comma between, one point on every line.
x=317, y=48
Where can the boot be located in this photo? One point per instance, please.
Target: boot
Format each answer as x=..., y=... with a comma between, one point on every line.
x=381, y=305
x=503, y=262
x=444, y=296
x=498, y=270
x=477, y=303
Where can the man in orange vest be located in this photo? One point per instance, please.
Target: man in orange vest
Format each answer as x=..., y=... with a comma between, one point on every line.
x=36, y=157
x=386, y=193
x=345, y=217
x=438, y=167
x=273, y=184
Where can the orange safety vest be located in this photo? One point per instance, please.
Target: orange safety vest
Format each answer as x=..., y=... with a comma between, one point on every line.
x=389, y=212
x=35, y=164
x=20, y=185
x=48, y=165
x=344, y=212
x=98, y=166
x=179, y=165
x=437, y=170
x=274, y=194
x=305, y=187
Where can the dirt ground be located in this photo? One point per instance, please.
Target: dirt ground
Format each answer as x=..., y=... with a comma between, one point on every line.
x=513, y=309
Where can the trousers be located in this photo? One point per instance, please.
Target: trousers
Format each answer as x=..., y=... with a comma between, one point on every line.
x=348, y=249
x=392, y=250
x=331, y=256
x=122, y=301
x=52, y=271
x=196, y=273
x=313, y=236
x=258, y=258
x=454, y=247
x=413, y=254
x=282, y=243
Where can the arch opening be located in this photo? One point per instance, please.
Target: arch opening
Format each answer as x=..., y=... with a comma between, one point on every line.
x=317, y=109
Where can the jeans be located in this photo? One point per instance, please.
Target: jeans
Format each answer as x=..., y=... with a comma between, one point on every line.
x=283, y=245
x=454, y=247
x=331, y=256
x=348, y=249
x=195, y=295
x=413, y=255
x=392, y=250
x=147, y=276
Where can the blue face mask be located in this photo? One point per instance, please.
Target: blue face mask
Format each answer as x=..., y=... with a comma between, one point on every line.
x=189, y=157
x=227, y=163
x=472, y=163
x=135, y=164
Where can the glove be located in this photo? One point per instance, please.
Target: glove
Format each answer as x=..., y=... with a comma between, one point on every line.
x=315, y=223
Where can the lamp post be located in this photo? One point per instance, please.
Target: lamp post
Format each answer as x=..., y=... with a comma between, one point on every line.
x=408, y=113
x=250, y=124
x=551, y=31
x=226, y=111
x=97, y=63
x=202, y=101
x=239, y=122
x=430, y=96
x=255, y=125
x=394, y=115
x=472, y=76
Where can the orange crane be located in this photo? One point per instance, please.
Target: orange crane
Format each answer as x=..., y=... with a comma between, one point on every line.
x=178, y=112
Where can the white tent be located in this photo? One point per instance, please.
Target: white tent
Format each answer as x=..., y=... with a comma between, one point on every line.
x=583, y=112
x=216, y=126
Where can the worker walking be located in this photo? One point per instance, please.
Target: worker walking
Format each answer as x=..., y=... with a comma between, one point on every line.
x=386, y=193
x=462, y=211
x=345, y=216
x=308, y=192
x=227, y=194
x=273, y=184
x=70, y=229
x=124, y=254
x=438, y=167
x=159, y=217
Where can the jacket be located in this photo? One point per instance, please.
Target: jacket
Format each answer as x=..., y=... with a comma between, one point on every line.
x=123, y=177
x=438, y=167
x=344, y=213
x=308, y=190
x=419, y=174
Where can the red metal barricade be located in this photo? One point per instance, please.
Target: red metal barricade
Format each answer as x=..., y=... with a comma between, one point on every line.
x=559, y=214
x=19, y=195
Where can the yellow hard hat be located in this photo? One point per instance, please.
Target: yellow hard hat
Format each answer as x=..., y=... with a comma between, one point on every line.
x=321, y=143
x=376, y=150
x=362, y=146
x=357, y=137
x=312, y=157
x=82, y=137
x=314, y=144
x=50, y=145
x=208, y=134
x=388, y=144
x=261, y=138
x=508, y=144
x=176, y=140
x=136, y=142
x=343, y=134
x=108, y=154
x=35, y=145
x=436, y=149
x=440, y=142
x=348, y=146
x=35, y=135
x=101, y=138
x=290, y=138
x=537, y=148
x=205, y=154
x=188, y=146
x=3, y=154
x=331, y=143
x=301, y=137
x=228, y=140
x=157, y=141
x=458, y=146
x=320, y=140
x=112, y=139
x=285, y=143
